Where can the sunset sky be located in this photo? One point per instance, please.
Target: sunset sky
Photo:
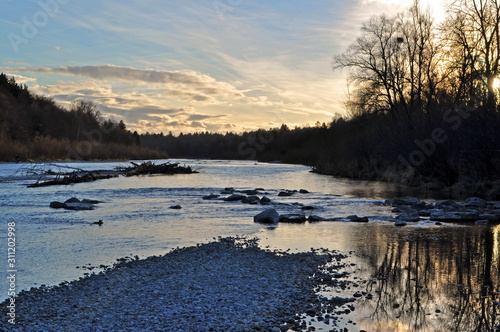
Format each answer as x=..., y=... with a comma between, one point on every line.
x=198, y=65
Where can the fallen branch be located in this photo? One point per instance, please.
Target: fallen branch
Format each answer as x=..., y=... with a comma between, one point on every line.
x=81, y=175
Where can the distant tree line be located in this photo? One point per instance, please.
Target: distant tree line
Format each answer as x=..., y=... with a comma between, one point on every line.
x=34, y=127
x=423, y=107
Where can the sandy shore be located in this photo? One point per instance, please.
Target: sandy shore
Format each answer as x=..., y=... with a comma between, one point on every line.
x=227, y=285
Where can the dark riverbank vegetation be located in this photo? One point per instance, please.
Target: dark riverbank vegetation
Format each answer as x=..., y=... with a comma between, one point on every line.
x=34, y=127
x=423, y=108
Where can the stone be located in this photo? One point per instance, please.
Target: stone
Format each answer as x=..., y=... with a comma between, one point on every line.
x=251, y=199
x=265, y=200
x=409, y=216
x=268, y=216
x=448, y=205
x=468, y=215
x=405, y=201
x=211, y=196
x=475, y=202
x=400, y=223
x=292, y=218
x=315, y=218
x=307, y=207
x=57, y=205
x=355, y=218
x=72, y=200
x=260, y=189
x=175, y=207
x=74, y=204
x=90, y=201
x=303, y=191
x=445, y=217
x=285, y=193
x=425, y=213
x=234, y=197
x=79, y=206
x=249, y=192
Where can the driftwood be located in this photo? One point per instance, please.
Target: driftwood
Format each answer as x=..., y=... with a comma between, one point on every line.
x=81, y=175
x=151, y=168
x=71, y=178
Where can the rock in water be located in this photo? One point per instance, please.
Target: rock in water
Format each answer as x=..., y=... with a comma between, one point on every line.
x=268, y=216
x=175, y=207
x=265, y=200
x=234, y=197
x=292, y=218
x=211, y=196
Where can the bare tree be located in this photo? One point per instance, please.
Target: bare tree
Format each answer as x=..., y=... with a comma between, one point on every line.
x=474, y=38
x=394, y=63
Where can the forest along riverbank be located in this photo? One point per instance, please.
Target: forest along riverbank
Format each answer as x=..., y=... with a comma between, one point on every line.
x=230, y=284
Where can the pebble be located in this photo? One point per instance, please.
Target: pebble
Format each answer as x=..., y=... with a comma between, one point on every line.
x=230, y=284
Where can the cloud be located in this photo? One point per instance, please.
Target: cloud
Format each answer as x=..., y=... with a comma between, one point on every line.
x=185, y=84
x=199, y=117
x=22, y=79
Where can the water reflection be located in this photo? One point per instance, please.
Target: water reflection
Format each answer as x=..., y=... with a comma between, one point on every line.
x=446, y=281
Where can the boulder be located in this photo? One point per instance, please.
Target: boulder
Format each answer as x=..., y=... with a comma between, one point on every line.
x=412, y=216
x=268, y=216
x=307, y=207
x=475, y=202
x=249, y=192
x=90, y=201
x=468, y=216
x=79, y=206
x=400, y=223
x=425, y=213
x=251, y=199
x=303, y=191
x=234, y=197
x=265, y=200
x=448, y=205
x=285, y=193
x=355, y=218
x=57, y=205
x=292, y=218
x=175, y=207
x=74, y=204
x=445, y=217
x=227, y=191
x=315, y=218
x=211, y=196
x=405, y=201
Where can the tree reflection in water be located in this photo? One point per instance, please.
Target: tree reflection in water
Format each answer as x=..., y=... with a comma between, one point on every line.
x=448, y=280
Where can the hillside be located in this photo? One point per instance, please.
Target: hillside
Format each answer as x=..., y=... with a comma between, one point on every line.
x=34, y=127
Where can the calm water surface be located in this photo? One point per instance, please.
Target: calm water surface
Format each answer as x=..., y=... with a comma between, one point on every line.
x=421, y=277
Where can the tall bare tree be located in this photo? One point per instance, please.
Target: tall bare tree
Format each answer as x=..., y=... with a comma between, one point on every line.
x=394, y=63
x=474, y=40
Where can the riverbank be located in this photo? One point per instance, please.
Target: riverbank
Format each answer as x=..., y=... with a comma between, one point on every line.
x=230, y=284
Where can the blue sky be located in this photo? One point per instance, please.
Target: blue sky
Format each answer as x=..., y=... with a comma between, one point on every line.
x=216, y=65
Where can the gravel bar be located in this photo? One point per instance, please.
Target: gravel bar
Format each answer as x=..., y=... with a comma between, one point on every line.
x=227, y=285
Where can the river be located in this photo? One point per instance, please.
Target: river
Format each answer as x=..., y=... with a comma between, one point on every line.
x=420, y=277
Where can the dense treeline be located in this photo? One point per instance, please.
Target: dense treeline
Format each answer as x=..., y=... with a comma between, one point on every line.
x=423, y=107
x=35, y=127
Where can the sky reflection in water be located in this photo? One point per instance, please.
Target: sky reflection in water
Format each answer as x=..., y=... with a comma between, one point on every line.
x=423, y=277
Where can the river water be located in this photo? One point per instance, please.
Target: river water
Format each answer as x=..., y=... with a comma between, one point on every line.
x=420, y=277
